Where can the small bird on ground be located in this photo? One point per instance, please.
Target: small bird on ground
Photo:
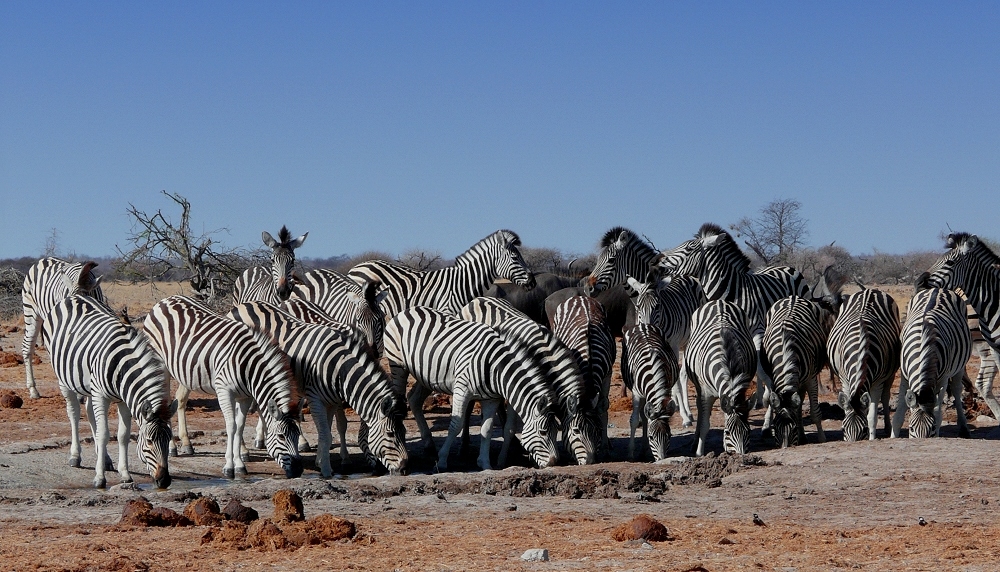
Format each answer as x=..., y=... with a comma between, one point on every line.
x=757, y=521
x=921, y=521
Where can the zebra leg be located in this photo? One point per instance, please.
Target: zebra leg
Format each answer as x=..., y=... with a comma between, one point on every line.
x=603, y=405
x=633, y=424
x=240, y=410
x=304, y=445
x=871, y=413
x=956, y=391
x=183, y=393
x=705, y=404
x=259, y=434
x=92, y=420
x=324, y=437
x=764, y=382
x=459, y=403
x=679, y=393
x=814, y=412
x=489, y=408
x=101, y=438
x=418, y=393
x=511, y=426
x=31, y=330
x=124, y=433
x=886, y=397
x=228, y=406
x=341, y=416
x=73, y=412
x=989, y=361
x=900, y=414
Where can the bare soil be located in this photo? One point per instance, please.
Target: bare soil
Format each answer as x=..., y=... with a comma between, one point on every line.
x=823, y=506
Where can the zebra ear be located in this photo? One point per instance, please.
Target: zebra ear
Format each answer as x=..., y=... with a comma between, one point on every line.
x=651, y=411
x=796, y=399
x=172, y=409
x=622, y=238
x=775, y=400
x=632, y=287
x=669, y=407
x=843, y=401
x=572, y=405
x=268, y=240
x=297, y=242
x=726, y=403
x=389, y=405
x=710, y=241
x=145, y=411
x=911, y=399
x=865, y=400
x=272, y=409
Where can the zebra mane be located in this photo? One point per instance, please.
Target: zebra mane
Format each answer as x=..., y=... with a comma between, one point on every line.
x=278, y=361
x=709, y=229
x=284, y=236
x=154, y=364
x=734, y=255
x=642, y=245
x=504, y=236
x=612, y=235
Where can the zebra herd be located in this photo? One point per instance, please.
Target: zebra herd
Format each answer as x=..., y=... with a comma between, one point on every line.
x=701, y=315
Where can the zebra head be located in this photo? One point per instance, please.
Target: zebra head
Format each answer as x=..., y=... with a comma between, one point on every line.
x=383, y=439
x=370, y=319
x=282, y=259
x=580, y=436
x=736, y=435
x=623, y=254
x=282, y=438
x=855, y=423
x=79, y=279
x=689, y=256
x=787, y=421
x=153, y=441
x=658, y=426
x=967, y=264
x=500, y=250
x=539, y=433
x=921, y=405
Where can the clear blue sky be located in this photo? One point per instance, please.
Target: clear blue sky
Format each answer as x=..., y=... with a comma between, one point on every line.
x=387, y=126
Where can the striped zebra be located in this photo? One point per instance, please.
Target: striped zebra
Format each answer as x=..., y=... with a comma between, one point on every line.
x=470, y=362
x=723, y=270
x=448, y=289
x=668, y=303
x=935, y=347
x=579, y=424
x=47, y=282
x=256, y=284
x=721, y=361
x=864, y=349
x=94, y=354
x=792, y=354
x=336, y=373
x=342, y=299
x=311, y=313
x=579, y=322
x=649, y=370
x=211, y=354
x=971, y=266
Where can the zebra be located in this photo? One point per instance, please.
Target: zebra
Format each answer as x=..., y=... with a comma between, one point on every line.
x=864, y=349
x=579, y=425
x=342, y=299
x=337, y=372
x=935, y=347
x=723, y=270
x=47, y=282
x=471, y=362
x=448, y=289
x=206, y=352
x=721, y=361
x=95, y=355
x=669, y=302
x=793, y=352
x=970, y=265
x=255, y=284
x=579, y=322
x=649, y=368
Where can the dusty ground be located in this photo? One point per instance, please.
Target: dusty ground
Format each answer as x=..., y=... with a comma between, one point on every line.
x=825, y=506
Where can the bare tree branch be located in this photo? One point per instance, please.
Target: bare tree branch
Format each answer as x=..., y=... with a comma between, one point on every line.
x=776, y=232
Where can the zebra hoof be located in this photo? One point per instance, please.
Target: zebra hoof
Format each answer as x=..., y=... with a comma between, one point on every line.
x=687, y=424
x=242, y=472
x=74, y=462
x=229, y=473
x=127, y=480
x=964, y=433
x=186, y=450
x=305, y=447
x=245, y=457
x=33, y=394
x=100, y=483
x=258, y=443
x=172, y=450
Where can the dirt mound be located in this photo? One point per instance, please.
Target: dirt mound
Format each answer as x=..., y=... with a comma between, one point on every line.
x=236, y=511
x=267, y=535
x=11, y=400
x=140, y=512
x=8, y=359
x=288, y=506
x=642, y=527
x=204, y=512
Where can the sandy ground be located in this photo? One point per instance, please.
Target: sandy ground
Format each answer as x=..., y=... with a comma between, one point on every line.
x=825, y=506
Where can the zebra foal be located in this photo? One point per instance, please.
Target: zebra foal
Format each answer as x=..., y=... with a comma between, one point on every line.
x=649, y=370
x=336, y=372
x=721, y=361
x=470, y=362
x=211, y=354
x=935, y=347
x=94, y=354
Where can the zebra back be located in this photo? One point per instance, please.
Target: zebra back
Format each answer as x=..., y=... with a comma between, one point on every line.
x=50, y=280
x=343, y=300
x=579, y=323
x=448, y=289
x=623, y=255
x=313, y=314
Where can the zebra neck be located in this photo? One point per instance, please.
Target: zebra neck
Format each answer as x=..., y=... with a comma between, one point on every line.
x=464, y=283
x=987, y=305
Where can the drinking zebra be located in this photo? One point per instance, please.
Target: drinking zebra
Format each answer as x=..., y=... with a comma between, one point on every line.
x=340, y=297
x=935, y=347
x=649, y=369
x=793, y=353
x=94, y=354
x=580, y=324
x=47, y=282
x=669, y=302
x=864, y=349
x=721, y=361
x=970, y=265
x=336, y=372
x=579, y=423
x=256, y=284
x=470, y=362
x=448, y=289
x=211, y=354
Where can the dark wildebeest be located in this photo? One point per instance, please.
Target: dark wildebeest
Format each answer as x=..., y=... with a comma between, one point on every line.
x=532, y=302
x=619, y=312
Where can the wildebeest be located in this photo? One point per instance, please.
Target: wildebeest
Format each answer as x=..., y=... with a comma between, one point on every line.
x=532, y=302
x=619, y=311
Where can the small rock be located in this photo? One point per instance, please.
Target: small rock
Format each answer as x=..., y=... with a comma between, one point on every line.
x=288, y=506
x=236, y=511
x=11, y=401
x=726, y=541
x=511, y=507
x=163, y=516
x=536, y=555
x=136, y=512
x=642, y=527
x=204, y=512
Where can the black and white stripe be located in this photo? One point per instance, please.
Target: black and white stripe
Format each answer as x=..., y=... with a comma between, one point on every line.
x=864, y=350
x=792, y=355
x=211, y=354
x=471, y=362
x=554, y=360
x=448, y=289
x=95, y=354
x=935, y=347
x=623, y=254
x=47, y=282
x=274, y=285
x=721, y=361
x=336, y=372
x=649, y=370
x=342, y=299
x=580, y=323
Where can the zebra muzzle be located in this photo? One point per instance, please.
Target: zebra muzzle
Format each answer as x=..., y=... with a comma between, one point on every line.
x=161, y=477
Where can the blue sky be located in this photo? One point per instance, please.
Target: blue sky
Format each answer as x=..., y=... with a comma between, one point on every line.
x=418, y=124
